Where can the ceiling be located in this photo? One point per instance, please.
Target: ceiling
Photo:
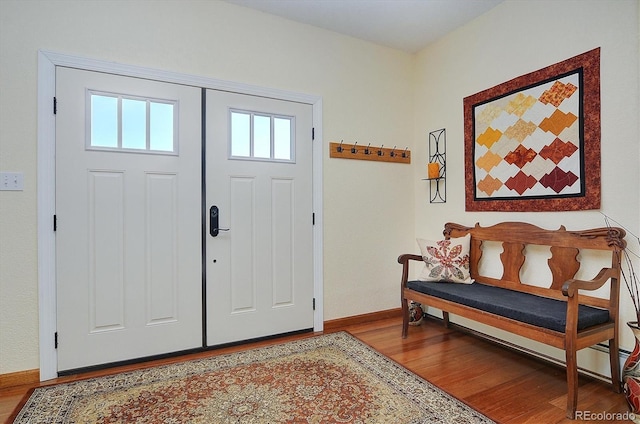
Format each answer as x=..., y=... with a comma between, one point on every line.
x=408, y=25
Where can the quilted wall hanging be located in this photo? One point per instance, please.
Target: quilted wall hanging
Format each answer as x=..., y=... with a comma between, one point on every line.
x=533, y=143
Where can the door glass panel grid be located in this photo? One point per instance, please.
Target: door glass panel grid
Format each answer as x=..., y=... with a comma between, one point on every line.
x=261, y=136
x=118, y=122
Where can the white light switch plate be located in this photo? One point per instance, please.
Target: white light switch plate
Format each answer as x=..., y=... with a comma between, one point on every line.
x=11, y=181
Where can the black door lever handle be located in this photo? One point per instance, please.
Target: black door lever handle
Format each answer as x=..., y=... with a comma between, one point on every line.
x=214, y=227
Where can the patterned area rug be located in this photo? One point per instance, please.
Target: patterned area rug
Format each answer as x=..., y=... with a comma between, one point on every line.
x=331, y=378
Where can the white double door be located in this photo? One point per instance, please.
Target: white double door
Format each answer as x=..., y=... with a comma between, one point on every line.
x=135, y=275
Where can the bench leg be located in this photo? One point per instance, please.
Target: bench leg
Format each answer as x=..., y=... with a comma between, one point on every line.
x=572, y=383
x=445, y=319
x=405, y=318
x=614, y=359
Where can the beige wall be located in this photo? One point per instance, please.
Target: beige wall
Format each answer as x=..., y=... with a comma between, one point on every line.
x=366, y=91
x=372, y=211
x=515, y=38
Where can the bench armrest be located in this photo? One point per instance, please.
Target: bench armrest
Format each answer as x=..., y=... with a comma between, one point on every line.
x=404, y=260
x=571, y=287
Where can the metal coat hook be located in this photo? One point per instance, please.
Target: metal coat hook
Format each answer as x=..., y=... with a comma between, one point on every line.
x=353, y=149
x=393, y=152
x=339, y=148
x=404, y=154
x=380, y=152
x=367, y=151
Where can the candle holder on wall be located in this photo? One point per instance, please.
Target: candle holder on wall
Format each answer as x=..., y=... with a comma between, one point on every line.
x=437, y=166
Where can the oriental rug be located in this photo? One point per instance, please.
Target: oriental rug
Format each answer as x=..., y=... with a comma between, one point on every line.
x=332, y=378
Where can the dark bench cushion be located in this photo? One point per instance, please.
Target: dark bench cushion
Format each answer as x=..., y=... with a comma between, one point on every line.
x=523, y=307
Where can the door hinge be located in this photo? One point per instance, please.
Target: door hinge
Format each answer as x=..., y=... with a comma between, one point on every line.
x=314, y=305
x=55, y=222
x=313, y=219
x=55, y=339
x=313, y=134
x=55, y=105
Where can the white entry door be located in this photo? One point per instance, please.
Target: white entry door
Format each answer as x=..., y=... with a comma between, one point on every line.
x=128, y=208
x=259, y=199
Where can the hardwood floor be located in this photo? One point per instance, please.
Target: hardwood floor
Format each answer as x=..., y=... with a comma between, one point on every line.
x=506, y=386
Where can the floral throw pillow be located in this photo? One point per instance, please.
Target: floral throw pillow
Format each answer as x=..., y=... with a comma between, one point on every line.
x=446, y=260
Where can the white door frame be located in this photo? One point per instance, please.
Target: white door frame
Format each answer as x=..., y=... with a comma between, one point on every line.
x=47, y=62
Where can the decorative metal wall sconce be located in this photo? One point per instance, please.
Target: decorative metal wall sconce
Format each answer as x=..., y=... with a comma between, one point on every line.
x=437, y=166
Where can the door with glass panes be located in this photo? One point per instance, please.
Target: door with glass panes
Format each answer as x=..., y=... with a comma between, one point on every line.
x=128, y=208
x=259, y=201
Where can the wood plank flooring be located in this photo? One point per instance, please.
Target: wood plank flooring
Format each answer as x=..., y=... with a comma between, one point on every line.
x=507, y=386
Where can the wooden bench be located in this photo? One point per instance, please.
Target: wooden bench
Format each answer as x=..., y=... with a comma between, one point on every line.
x=575, y=320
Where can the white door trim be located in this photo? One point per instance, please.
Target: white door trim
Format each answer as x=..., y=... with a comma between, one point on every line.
x=47, y=62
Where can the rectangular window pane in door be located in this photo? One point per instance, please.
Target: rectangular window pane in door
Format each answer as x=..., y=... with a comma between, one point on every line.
x=282, y=138
x=240, y=134
x=134, y=124
x=104, y=121
x=161, y=127
x=262, y=136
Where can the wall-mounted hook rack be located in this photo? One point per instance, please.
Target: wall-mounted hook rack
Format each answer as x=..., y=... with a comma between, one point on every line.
x=378, y=154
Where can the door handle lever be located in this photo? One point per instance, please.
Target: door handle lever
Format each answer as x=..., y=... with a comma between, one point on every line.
x=214, y=227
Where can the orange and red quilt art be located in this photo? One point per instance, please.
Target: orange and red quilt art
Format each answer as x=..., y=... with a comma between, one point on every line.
x=533, y=143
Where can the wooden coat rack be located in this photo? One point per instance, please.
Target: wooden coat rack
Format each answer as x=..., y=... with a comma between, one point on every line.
x=360, y=152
